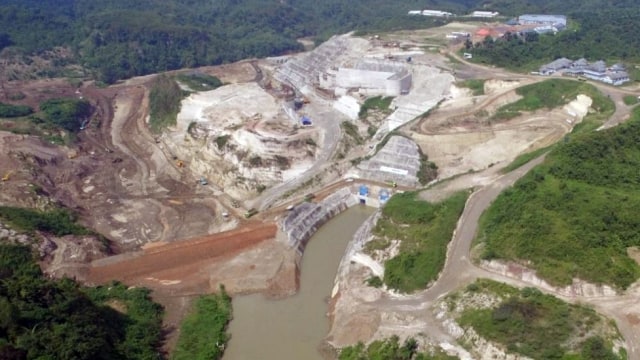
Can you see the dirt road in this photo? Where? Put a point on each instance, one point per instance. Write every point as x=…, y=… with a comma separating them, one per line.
x=180, y=253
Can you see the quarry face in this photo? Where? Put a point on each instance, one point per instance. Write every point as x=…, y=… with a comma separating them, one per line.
x=240, y=139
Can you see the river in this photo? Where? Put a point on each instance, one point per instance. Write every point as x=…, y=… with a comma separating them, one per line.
x=293, y=328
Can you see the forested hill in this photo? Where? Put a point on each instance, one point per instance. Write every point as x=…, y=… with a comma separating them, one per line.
x=122, y=38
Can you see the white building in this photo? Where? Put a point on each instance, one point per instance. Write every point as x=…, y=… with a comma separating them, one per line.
x=435, y=13
x=484, y=14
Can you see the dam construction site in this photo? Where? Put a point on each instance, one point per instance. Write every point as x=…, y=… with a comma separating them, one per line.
x=235, y=190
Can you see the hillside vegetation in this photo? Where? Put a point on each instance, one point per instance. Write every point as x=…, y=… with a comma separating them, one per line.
x=574, y=215
x=534, y=324
x=59, y=319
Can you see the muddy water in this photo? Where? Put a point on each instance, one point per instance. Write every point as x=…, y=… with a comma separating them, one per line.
x=293, y=328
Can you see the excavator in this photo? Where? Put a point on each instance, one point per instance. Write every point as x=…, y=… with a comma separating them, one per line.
x=7, y=176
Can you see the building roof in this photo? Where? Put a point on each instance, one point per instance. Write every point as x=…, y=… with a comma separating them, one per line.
x=558, y=64
x=599, y=65
x=580, y=62
x=618, y=75
x=542, y=18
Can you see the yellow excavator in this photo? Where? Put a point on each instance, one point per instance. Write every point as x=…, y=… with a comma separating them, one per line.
x=7, y=176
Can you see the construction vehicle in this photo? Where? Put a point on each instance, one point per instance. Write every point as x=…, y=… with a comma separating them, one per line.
x=309, y=197
x=7, y=176
x=180, y=163
x=392, y=184
x=250, y=213
x=203, y=181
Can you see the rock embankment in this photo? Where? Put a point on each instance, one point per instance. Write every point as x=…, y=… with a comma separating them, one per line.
x=306, y=218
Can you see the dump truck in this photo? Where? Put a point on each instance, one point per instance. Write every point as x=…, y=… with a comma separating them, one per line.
x=250, y=213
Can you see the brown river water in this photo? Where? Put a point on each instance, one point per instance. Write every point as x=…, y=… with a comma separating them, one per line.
x=293, y=328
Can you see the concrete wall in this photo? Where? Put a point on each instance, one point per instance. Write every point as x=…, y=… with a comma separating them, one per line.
x=373, y=82
x=306, y=218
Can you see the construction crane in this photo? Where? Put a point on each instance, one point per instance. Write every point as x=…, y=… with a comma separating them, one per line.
x=7, y=176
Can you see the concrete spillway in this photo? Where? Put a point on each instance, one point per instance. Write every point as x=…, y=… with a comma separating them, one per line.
x=305, y=219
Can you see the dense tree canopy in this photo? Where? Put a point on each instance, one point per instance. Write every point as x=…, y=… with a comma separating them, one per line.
x=46, y=319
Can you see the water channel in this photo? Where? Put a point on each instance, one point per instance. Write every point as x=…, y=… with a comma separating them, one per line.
x=293, y=328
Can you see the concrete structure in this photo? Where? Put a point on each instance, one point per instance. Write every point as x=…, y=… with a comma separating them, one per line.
x=434, y=13
x=375, y=77
x=398, y=161
x=539, y=19
x=484, y=14
x=306, y=218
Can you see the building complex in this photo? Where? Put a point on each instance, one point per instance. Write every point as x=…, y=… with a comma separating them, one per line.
x=614, y=75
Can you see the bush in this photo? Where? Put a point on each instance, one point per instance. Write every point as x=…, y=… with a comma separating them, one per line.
x=66, y=113
x=10, y=111
x=59, y=222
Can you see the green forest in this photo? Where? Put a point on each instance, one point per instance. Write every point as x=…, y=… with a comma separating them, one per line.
x=574, y=215
x=59, y=319
x=116, y=39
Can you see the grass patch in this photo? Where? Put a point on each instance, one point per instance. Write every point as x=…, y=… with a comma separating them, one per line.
x=540, y=326
x=630, y=100
x=576, y=214
x=203, y=332
x=424, y=230
x=380, y=103
x=475, y=85
x=199, y=81
x=164, y=103
x=554, y=93
x=525, y=158
x=352, y=131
